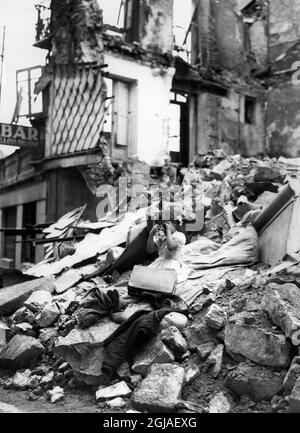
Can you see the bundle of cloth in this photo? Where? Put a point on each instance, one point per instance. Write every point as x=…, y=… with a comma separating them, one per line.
x=130, y=338
x=239, y=247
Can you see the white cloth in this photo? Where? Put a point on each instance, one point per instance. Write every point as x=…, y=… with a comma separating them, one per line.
x=172, y=259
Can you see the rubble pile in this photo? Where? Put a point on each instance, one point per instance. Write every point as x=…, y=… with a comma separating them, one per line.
x=227, y=342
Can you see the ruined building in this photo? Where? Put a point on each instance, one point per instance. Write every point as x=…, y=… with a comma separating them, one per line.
x=109, y=93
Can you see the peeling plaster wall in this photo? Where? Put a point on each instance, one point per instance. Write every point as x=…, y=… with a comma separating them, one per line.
x=284, y=26
x=259, y=41
x=221, y=124
x=157, y=28
x=283, y=113
x=149, y=127
x=218, y=39
x=76, y=29
x=283, y=120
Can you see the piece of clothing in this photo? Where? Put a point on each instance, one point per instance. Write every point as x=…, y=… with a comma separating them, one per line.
x=97, y=305
x=239, y=247
x=172, y=260
x=130, y=338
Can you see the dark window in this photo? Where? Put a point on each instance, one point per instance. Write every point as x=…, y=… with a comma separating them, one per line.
x=179, y=129
x=29, y=220
x=250, y=106
x=9, y=222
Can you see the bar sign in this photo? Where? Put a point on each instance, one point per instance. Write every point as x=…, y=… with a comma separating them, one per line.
x=17, y=135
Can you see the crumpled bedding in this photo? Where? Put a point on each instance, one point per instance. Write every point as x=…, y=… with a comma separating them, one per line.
x=241, y=249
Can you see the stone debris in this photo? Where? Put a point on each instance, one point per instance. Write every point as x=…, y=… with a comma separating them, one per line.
x=161, y=389
x=116, y=403
x=294, y=398
x=191, y=373
x=120, y=389
x=12, y=298
x=173, y=338
x=155, y=352
x=20, y=352
x=135, y=379
x=240, y=334
x=282, y=303
x=38, y=300
x=215, y=317
x=215, y=359
x=48, y=315
x=47, y=380
x=21, y=380
x=219, y=404
x=174, y=319
x=292, y=375
x=246, y=334
x=260, y=383
x=3, y=334
x=56, y=394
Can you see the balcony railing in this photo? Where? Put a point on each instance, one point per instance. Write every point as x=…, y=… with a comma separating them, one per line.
x=43, y=30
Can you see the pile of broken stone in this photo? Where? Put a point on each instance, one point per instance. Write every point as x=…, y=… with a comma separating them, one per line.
x=243, y=335
x=241, y=338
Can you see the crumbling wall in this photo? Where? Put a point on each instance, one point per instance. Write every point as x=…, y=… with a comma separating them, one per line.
x=76, y=31
x=218, y=35
x=149, y=106
x=221, y=124
x=258, y=34
x=284, y=19
x=283, y=120
x=157, y=29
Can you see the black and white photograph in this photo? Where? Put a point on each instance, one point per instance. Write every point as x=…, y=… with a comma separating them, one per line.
x=149, y=210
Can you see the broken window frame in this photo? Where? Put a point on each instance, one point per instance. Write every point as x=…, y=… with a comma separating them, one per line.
x=29, y=92
x=250, y=110
x=114, y=103
x=180, y=156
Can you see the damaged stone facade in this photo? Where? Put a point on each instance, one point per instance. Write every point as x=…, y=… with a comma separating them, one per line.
x=233, y=120
x=274, y=44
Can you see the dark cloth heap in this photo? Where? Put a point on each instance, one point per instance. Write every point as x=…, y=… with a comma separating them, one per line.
x=97, y=305
x=130, y=338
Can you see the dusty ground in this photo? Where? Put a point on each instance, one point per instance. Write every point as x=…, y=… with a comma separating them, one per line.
x=76, y=401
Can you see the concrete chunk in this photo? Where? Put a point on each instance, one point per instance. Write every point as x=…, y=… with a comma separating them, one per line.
x=81, y=348
x=219, y=404
x=282, y=303
x=256, y=341
x=3, y=334
x=155, y=352
x=191, y=373
x=215, y=360
x=48, y=315
x=260, y=383
x=173, y=338
x=13, y=297
x=215, y=317
x=116, y=403
x=294, y=399
x=161, y=389
x=120, y=389
x=292, y=375
x=38, y=300
x=20, y=352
